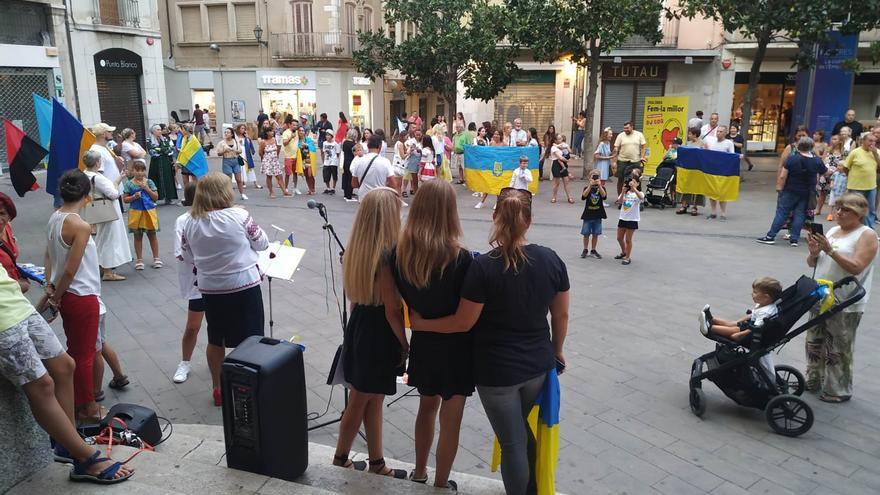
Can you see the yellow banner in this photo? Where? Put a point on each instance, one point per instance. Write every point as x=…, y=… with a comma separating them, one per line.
x=665, y=119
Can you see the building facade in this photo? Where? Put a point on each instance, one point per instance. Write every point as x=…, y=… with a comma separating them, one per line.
x=292, y=57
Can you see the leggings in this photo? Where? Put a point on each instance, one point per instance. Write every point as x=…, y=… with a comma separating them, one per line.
x=79, y=317
x=508, y=410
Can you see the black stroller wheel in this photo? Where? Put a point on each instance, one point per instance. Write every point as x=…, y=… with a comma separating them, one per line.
x=789, y=415
x=790, y=380
x=698, y=401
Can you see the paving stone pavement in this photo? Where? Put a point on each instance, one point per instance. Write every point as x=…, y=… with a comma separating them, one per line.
x=625, y=422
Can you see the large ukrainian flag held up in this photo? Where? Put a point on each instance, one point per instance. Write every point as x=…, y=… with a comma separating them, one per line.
x=714, y=174
x=69, y=142
x=192, y=156
x=487, y=169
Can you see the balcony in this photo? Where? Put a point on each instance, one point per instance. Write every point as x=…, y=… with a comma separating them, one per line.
x=334, y=46
x=669, y=27
x=123, y=13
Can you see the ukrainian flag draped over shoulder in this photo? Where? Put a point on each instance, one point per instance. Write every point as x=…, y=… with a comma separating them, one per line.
x=193, y=157
x=714, y=174
x=544, y=423
x=488, y=169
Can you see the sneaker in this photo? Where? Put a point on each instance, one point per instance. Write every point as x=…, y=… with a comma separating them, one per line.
x=404, y=203
x=182, y=372
x=244, y=197
x=793, y=243
x=179, y=186
x=478, y=205
x=332, y=192
x=704, y=321
x=766, y=240
x=404, y=194
x=605, y=205
x=351, y=200
x=596, y=254
x=787, y=236
x=584, y=253
x=326, y=191
x=297, y=191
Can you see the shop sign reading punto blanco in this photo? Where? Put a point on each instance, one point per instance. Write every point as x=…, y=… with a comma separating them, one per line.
x=281, y=79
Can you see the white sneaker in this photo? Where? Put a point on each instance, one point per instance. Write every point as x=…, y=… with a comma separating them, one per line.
x=297, y=191
x=404, y=203
x=179, y=187
x=478, y=205
x=244, y=197
x=352, y=200
x=182, y=372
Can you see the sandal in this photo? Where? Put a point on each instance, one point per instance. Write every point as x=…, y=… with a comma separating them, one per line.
x=383, y=470
x=105, y=477
x=681, y=211
x=834, y=399
x=570, y=200
x=157, y=263
x=553, y=200
x=100, y=396
x=344, y=462
x=139, y=265
x=412, y=477
x=625, y=262
x=118, y=382
x=620, y=256
x=695, y=213
x=85, y=419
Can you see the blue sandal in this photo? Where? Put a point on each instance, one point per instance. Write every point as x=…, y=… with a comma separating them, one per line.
x=105, y=477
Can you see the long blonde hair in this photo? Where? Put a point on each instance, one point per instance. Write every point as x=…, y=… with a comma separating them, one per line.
x=512, y=218
x=429, y=241
x=213, y=192
x=373, y=235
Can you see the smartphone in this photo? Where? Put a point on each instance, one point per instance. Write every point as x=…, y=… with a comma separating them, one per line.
x=817, y=228
x=560, y=367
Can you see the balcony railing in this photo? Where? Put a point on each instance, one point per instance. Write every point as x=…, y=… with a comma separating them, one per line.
x=314, y=45
x=119, y=13
x=669, y=27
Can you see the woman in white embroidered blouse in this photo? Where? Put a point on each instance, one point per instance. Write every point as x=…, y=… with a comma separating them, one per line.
x=222, y=241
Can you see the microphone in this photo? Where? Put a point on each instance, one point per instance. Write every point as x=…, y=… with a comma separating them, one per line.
x=312, y=204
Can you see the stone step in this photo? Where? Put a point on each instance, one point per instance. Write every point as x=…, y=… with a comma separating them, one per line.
x=192, y=461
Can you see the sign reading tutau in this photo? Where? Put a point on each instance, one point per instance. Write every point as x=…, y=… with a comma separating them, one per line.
x=633, y=70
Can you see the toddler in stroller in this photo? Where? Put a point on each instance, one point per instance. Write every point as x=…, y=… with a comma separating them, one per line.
x=739, y=364
x=765, y=292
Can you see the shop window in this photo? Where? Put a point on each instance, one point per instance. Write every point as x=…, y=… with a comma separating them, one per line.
x=245, y=20
x=218, y=22
x=191, y=22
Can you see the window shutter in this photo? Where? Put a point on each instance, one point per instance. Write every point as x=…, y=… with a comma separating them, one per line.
x=645, y=89
x=191, y=19
x=617, y=104
x=532, y=102
x=218, y=22
x=245, y=21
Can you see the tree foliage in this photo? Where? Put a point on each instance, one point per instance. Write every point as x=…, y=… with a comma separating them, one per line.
x=455, y=40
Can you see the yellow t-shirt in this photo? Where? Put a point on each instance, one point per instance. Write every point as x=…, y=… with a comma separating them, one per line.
x=862, y=168
x=291, y=149
x=629, y=146
x=14, y=307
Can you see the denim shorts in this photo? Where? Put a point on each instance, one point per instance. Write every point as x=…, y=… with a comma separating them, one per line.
x=592, y=227
x=231, y=166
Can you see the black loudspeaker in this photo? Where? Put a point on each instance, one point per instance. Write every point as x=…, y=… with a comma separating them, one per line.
x=139, y=419
x=264, y=408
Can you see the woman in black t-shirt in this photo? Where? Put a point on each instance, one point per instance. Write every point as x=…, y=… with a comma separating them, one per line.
x=504, y=303
x=347, y=158
x=429, y=266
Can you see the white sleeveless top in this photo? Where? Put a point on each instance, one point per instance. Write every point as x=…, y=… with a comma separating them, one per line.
x=87, y=280
x=827, y=268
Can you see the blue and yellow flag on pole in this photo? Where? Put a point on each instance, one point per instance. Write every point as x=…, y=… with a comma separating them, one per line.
x=43, y=110
x=68, y=143
x=544, y=423
x=193, y=157
x=488, y=169
x=714, y=174
x=288, y=242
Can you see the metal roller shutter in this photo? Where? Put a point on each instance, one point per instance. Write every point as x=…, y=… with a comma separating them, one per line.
x=617, y=104
x=533, y=103
x=121, y=103
x=645, y=89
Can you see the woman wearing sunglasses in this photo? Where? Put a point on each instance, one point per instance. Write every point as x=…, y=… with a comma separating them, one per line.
x=505, y=298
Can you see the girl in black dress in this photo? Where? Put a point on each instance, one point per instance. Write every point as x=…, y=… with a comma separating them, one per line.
x=429, y=266
x=374, y=346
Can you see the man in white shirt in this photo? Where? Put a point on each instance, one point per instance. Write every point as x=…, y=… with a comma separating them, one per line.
x=108, y=166
x=718, y=141
x=518, y=135
x=696, y=122
x=710, y=128
x=371, y=170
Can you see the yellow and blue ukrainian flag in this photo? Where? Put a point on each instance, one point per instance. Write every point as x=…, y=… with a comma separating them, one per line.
x=487, y=169
x=714, y=174
x=68, y=143
x=193, y=157
x=544, y=423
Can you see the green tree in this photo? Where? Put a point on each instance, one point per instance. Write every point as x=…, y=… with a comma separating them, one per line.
x=455, y=41
x=582, y=30
x=765, y=21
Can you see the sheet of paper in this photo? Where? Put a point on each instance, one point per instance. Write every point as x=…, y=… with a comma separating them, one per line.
x=279, y=261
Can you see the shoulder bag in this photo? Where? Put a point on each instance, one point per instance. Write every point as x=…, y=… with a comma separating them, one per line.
x=99, y=209
x=366, y=171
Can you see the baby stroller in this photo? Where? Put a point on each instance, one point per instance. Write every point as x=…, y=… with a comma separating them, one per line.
x=736, y=368
x=659, y=191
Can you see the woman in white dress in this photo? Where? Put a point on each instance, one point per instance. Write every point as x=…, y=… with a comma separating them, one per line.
x=111, y=237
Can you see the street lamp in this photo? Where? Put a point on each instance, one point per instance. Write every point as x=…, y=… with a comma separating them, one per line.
x=258, y=34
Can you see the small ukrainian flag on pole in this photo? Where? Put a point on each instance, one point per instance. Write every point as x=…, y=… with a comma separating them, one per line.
x=289, y=241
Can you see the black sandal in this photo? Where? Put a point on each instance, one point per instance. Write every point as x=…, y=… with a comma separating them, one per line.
x=620, y=256
x=412, y=477
x=344, y=462
x=399, y=474
x=119, y=382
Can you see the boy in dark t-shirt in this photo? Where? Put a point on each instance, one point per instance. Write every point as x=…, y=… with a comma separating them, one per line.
x=594, y=212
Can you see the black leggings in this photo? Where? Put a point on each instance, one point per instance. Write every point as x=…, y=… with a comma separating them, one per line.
x=346, y=181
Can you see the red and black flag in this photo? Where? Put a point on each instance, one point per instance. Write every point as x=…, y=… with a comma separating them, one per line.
x=23, y=155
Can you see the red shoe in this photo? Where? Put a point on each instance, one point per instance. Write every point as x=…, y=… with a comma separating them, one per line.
x=218, y=399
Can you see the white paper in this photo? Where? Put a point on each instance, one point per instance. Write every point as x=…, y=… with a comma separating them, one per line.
x=283, y=264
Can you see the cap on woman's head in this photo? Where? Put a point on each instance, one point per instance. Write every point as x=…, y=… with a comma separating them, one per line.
x=8, y=206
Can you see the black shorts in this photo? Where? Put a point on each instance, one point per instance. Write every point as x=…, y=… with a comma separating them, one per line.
x=330, y=173
x=628, y=224
x=197, y=305
x=624, y=169
x=234, y=317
